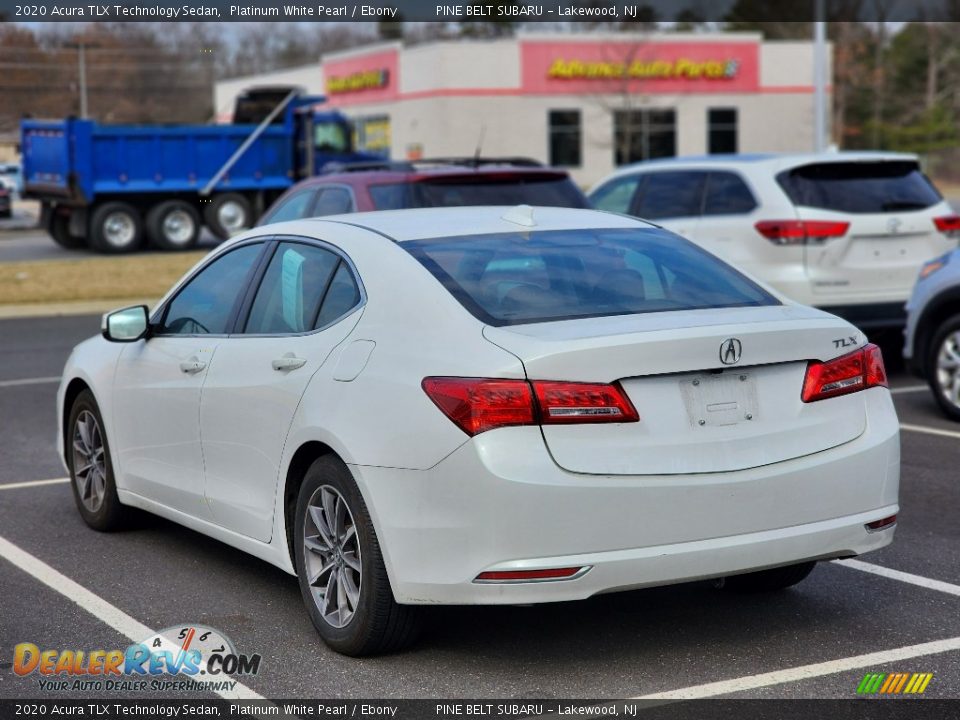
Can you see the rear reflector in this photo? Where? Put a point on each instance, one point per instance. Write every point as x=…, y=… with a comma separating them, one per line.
x=882, y=524
x=859, y=370
x=800, y=232
x=567, y=573
x=476, y=405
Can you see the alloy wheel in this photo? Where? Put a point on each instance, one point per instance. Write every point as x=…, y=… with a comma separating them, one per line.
x=331, y=555
x=948, y=369
x=89, y=461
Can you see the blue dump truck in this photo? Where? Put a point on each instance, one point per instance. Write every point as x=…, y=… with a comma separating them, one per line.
x=115, y=188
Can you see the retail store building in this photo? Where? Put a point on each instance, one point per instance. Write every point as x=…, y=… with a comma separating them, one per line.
x=587, y=102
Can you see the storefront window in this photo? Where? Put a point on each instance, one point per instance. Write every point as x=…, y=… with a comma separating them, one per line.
x=565, y=138
x=722, y=133
x=643, y=135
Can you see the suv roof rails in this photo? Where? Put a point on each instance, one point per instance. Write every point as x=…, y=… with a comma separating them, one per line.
x=473, y=161
x=365, y=165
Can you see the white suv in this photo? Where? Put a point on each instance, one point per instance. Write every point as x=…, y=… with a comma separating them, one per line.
x=846, y=232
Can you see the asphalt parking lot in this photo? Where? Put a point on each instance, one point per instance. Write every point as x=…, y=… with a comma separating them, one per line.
x=898, y=613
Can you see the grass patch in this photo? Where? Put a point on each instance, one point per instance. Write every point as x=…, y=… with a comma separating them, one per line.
x=98, y=278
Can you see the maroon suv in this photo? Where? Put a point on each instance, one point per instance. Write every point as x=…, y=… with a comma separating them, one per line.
x=441, y=182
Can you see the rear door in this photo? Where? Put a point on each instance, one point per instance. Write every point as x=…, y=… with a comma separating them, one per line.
x=303, y=308
x=890, y=207
x=673, y=199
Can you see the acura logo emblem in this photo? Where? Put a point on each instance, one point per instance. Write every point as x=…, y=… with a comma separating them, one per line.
x=730, y=351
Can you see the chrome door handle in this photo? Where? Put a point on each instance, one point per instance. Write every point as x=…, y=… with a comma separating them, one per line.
x=193, y=365
x=288, y=362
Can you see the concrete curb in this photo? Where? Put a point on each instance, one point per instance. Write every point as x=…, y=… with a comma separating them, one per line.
x=80, y=307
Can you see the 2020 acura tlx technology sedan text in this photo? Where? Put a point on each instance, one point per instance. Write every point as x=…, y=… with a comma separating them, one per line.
x=484, y=405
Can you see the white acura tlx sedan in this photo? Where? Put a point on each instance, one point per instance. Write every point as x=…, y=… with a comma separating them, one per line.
x=484, y=406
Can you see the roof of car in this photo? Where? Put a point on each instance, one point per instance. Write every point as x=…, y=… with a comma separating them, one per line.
x=400, y=171
x=775, y=161
x=425, y=223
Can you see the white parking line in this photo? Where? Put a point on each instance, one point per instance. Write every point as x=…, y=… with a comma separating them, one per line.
x=29, y=381
x=908, y=389
x=929, y=430
x=33, y=483
x=806, y=672
x=906, y=577
x=97, y=606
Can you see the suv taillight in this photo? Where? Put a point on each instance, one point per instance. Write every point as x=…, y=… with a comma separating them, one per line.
x=949, y=225
x=476, y=405
x=800, y=232
x=850, y=373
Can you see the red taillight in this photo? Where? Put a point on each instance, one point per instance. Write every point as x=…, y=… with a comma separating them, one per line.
x=799, y=232
x=857, y=371
x=569, y=402
x=480, y=404
x=948, y=224
x=527, y=575
x=882, y=524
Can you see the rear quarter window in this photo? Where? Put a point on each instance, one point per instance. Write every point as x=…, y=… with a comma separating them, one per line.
x=860, y=187
x=514, y=278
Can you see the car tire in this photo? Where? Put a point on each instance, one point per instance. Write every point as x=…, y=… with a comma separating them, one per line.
x=91, y=470
x=228, y=214
x=116, y=227
x=173, y=225
x=768, y=580
x=59, y=230
x=946, y=340
x=367, y=620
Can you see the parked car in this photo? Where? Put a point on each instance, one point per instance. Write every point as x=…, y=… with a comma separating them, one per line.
x=845, y=232
x=441, y=182
x=932, y=335
x=11, y=175
x=6, y=202
x=484, y=406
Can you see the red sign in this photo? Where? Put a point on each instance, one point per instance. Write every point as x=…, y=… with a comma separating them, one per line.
x=610, y=67
x=365, y=78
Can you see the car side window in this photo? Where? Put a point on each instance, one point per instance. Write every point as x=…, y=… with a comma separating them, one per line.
x=205, y=304
x=333, y=201
x=671, y=194
x=342, y=296
x=295, y=207
x=293, y=287
x=616, y=195
x=727, y=194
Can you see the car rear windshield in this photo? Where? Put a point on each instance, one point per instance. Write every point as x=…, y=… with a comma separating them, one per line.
x=525, y=277
x=860, y=187
x=548, y=191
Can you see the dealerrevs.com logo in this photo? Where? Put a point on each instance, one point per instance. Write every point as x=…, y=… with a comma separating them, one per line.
x=897, y=683
x=201, y=656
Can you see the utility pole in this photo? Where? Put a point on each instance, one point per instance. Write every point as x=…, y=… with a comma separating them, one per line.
x=81, y=48
x=819, y=77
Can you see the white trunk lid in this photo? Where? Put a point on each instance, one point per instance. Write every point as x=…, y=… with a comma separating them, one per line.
x=697, y=414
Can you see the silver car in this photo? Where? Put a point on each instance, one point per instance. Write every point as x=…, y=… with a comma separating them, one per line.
x=932, y=335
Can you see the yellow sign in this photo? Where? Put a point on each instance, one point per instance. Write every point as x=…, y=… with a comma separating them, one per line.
x=682, y=68
x=355, y=82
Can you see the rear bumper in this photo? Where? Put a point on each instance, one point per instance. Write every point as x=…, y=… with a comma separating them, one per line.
x=500, y=503
x=871, y=316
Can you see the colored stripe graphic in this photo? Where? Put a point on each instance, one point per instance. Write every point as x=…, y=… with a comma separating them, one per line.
x=894, y=683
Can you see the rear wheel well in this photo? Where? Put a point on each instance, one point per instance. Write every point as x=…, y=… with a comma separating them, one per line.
x=75, y=387
x=930, y=321
x=302, y=459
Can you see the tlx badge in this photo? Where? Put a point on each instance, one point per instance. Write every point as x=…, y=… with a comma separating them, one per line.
x=730, y=351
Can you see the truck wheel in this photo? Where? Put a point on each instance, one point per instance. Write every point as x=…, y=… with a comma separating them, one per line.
x=228, y=215
x=173, y=225
x=59, y=230
x=116, y=227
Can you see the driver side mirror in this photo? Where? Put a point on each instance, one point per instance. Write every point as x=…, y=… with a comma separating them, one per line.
x=126, y=325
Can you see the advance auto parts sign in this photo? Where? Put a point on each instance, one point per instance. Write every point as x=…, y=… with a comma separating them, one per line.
x=648, y=67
